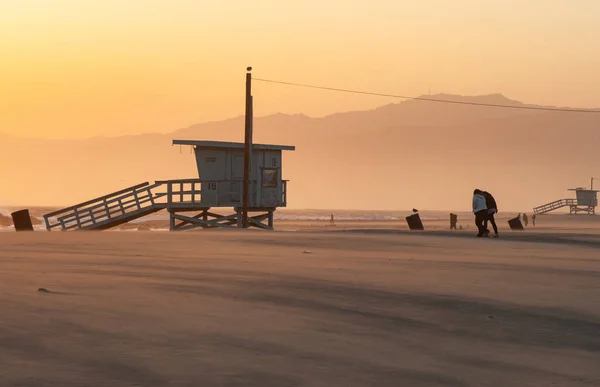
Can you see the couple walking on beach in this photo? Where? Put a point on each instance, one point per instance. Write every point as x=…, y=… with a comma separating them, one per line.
x=484, y=208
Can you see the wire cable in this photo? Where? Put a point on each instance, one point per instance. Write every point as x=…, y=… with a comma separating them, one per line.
x=523, y=107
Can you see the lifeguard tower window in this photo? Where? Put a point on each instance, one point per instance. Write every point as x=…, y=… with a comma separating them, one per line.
x=269, y=177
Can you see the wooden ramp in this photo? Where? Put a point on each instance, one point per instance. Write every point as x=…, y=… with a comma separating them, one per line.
x=106, y=211
x=555, y=205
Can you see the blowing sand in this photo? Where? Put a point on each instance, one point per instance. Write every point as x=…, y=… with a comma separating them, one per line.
x=251, y=308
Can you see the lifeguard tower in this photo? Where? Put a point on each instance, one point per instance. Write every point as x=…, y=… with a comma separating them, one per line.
x=586, y=201
x=219, y=186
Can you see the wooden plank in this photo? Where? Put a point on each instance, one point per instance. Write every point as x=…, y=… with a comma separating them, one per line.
x=186, y=222
x=256, y=221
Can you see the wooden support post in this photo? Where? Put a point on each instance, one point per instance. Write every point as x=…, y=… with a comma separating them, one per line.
x=151, y=197
x=137, y=200
x=247, y=147
x=270, y=219
x=171, y=221
x=106, y=208
x=77, y=218
x=169, y=194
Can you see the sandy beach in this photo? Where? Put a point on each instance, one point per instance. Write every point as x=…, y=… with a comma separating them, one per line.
x=369, y=307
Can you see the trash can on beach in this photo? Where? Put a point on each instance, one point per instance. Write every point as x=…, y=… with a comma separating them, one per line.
x=515, y=224
x=22, y=220
x=414, y=222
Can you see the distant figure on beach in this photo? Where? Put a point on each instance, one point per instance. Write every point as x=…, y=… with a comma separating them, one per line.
x=492, y=208
x=525, y=220
x=480, y=211
x=453, y=221
x=332, y=221
x=533, y=219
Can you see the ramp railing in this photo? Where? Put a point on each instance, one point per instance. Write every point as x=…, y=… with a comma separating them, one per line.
x=555, y=205
x=103, y=209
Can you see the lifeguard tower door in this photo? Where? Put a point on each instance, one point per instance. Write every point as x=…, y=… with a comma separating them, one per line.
x=212, y=171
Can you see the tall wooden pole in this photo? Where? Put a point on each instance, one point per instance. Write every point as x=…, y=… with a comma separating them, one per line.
x=247, y=148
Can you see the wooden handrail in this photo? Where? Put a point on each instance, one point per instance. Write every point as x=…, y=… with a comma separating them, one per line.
x=104, y=202
x=97, y=199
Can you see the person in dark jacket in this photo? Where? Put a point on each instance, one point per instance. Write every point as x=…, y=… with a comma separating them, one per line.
x=492, y=208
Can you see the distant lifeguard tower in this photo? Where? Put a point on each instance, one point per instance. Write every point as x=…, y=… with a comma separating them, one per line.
x=586, y=201
x=219, y=185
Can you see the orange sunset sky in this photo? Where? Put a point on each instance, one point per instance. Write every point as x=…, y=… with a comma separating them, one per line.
x=82, y=68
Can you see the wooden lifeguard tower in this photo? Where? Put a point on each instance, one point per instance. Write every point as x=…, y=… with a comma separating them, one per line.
x=219, y=185
x=586, y=201
x=221, y=172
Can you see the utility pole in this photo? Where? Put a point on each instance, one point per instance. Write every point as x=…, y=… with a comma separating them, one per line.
x=247, y=147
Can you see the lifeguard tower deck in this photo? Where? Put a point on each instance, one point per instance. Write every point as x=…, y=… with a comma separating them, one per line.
x=586, y=201
x=192, y=202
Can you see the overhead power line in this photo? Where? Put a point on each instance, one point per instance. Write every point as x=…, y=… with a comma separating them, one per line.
x=523, y=107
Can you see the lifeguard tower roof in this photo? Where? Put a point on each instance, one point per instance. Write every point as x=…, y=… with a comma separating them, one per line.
x=231, y=145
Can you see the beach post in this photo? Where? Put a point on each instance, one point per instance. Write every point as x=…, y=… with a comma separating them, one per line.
x=414, y=222
x=22, y=220
x=515, y=224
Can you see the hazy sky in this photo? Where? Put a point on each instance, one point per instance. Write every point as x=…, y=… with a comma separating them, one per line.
x=81, y=68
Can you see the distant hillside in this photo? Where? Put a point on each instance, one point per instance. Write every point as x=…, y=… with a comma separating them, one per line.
x=413, y=153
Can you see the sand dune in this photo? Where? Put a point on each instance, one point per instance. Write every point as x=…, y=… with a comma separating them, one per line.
x=250, y=308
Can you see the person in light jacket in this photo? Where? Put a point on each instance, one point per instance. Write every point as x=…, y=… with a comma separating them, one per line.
x=480, y=211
